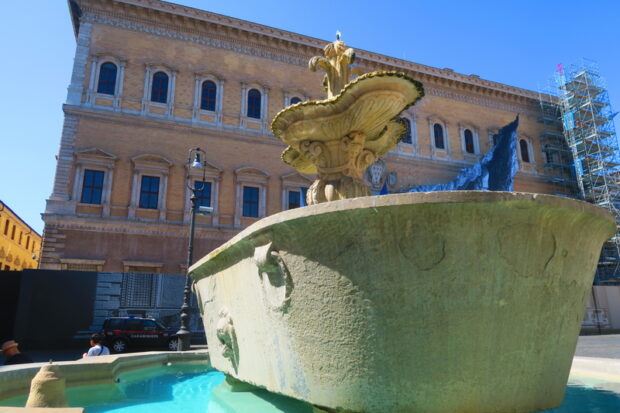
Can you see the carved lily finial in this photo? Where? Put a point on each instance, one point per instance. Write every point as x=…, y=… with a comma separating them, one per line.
x=335, y=64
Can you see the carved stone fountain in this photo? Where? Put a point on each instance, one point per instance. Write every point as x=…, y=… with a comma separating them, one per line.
x=432, y=302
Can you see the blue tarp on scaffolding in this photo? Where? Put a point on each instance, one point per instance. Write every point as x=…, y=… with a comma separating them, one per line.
x=494, y=172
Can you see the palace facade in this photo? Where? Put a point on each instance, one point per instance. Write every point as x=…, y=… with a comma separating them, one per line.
x=153, y=79
x=20, y=245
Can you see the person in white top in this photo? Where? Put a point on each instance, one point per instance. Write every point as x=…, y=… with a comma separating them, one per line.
x=96, y=347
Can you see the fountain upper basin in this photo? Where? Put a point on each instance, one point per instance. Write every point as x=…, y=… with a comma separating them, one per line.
x=437, y=302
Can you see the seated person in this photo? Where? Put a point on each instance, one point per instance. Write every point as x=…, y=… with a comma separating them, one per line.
x=96, y=347
x=12, y=354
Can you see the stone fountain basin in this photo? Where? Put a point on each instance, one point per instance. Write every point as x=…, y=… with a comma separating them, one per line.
x=432, y=302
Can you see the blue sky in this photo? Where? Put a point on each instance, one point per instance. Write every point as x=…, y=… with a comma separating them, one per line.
x=514, y=42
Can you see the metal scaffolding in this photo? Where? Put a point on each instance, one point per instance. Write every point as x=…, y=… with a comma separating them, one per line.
x=559, y=164
x=589, y=132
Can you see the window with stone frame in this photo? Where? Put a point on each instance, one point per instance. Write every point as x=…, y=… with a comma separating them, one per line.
x=468, y=138
x=208, y=195
x=208, y=96
x=438, y=136
x=203, y=193
x=407, y=138
x=251, y=199
x=251, y=195
x=92, y=187
x=254, y=104
x=524, y=150
x=159, y=88
x=149, y=192
x=297, y=198
x=294, y=190
x=107, y=79
x=94, y=172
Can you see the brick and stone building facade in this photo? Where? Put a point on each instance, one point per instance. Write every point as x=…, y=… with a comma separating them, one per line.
x=152, y=79
x=20, y=245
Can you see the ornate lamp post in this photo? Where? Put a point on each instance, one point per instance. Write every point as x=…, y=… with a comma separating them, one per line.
x=193, y=162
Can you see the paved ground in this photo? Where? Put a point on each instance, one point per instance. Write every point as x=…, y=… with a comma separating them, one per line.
x=607, y=346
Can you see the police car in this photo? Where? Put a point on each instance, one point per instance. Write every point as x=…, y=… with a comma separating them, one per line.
x=123, y=332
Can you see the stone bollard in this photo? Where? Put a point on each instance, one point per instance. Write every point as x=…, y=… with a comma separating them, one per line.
x=47, y=388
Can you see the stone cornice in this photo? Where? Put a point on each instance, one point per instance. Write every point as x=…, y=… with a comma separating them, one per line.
x=131, y=119
x=137, y=227
x=186, y=23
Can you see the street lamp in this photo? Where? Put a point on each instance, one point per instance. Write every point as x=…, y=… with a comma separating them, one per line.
x=193, y=162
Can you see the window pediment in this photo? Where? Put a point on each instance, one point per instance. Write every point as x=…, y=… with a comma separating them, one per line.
x=106, y=56
x=468, y=125
x=151, y=160
x=95, y=153
x=293, y=91
x=437, y=119
x=208, y=74
x=253, y=83
x=251, y=172
x=155, y=66
x=296, y=177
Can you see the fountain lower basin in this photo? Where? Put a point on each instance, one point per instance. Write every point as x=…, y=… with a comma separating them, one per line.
x=437, y=302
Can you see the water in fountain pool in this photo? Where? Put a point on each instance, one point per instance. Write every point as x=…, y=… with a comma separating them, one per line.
x=186, y=389
x=194, y=392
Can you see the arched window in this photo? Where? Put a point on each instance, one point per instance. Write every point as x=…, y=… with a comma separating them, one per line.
x=469, y=141
x=107, y=79
x=525, y=153
x=159, y=88
x=207, y=98
x=438, y=132
x=254, y=103
x=295, y=100
x=407, y=136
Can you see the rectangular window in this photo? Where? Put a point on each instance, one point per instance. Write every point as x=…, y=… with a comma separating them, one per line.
x=149, y=192
x=203, y=193
x=297, y=198
x=92, y=187
x=13, y=233
x=6, y=227
x=138, y=290
x=250, y=201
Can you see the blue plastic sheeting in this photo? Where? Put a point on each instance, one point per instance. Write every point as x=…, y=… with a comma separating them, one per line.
x=494, y=172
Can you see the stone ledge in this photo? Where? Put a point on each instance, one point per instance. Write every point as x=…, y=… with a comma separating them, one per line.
x=15, y=380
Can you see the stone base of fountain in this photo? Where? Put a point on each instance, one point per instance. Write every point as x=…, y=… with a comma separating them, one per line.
x=433, y=302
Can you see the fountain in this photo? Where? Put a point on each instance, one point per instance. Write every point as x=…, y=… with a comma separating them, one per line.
x=463, y=301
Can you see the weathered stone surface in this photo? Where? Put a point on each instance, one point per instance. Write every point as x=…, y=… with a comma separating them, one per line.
x=47, y=388
x=433, y=302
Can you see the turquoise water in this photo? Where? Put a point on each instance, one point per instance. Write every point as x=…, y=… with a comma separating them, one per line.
x=192, y=392
x=188, y=389
x=172, y=392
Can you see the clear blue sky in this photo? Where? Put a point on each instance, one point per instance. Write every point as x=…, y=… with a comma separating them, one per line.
x=514, y=42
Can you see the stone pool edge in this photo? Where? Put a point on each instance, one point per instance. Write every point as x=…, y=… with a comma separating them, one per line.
x=15, y=380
